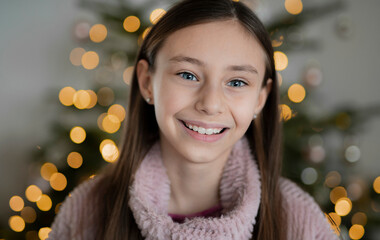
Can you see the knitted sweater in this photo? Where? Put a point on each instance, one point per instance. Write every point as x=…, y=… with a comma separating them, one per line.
x=240, y=193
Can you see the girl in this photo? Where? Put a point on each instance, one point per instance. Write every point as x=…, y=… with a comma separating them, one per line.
x=201, y=156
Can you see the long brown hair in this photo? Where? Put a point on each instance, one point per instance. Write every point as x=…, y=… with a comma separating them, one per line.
x=113, y=218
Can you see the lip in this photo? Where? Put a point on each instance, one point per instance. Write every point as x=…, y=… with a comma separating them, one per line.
x=204, y=137
x=205, y=125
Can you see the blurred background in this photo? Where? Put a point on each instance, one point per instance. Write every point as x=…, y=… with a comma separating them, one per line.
x=65, y=68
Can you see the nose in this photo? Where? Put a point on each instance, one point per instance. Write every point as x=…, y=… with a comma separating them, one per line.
x=211, y=100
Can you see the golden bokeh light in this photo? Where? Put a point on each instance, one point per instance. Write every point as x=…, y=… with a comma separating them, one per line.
x=76, y=56
x=43, y=233
x=336, y=218
x=100, y=120
x=44, y=204
x=110, y=152
x=105, y=96
x=74, y=160
x=343, y=206
x=293, y=7
x=33, y=193
x=359, y=218
x=105, y=142
x=279, y=79
x=111, y=123
x=58, y=181
x=337, y=193
x=278, y=42
x=146, y=31
x=29, y=214
x=281, y=60
x=286, y=112
x=81, y=99
x=98, y=33
x=127, y=75
x=131, y=24
x=376, y=185
x=16, y=203
x=118, y=111
x=47, y=170
x=57, y=207
x=356, y=231
x=296, y=93
x=90, y=60
x=77, y=134
x=93, y=99
x=333, y=179
x=156, y=15
x=92, y=176
x=66, y=96
x=16, y=223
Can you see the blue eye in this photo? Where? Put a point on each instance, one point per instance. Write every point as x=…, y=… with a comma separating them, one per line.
x=187, y=76
x=236, y=83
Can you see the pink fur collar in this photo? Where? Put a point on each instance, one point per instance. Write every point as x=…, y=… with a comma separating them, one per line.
x=240, y=197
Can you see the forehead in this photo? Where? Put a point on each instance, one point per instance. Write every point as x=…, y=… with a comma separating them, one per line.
x=216, y=43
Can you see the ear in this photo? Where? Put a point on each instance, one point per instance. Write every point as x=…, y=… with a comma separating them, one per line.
x=263, y=95
x=144, y=79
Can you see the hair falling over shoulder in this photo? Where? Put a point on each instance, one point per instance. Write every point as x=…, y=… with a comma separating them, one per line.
x=113, y=218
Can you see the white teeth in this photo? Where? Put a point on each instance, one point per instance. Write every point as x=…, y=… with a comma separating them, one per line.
x=201, y=130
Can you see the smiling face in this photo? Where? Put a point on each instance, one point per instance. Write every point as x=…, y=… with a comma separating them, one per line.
x=206, y=87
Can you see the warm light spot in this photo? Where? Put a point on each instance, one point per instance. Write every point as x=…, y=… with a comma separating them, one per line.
x=66, y=96
x=146, y=31
x=100, y=120
x=376, y=185
x=156, y=15
x=127, y=75
x=343, y=206
x=76, y=56
x=81, y=99
x=98, y=33
x=58, y=181
x=337, y=193
x=281, y=60
x=118, y=111
x=356, y=231
x=44, y=233
x=47, y=170
x=29, y=214
x=131, y=24
x=33, y=193
x=296, y=93
x=44, y=204
x=279, y=79
x=278, y=42
x=105, y=142
x=93, y=99
x=333, y=179
x=110, y=152
x=293, y=7
x=92, y=176
x=77, y=135
x=111, y=124
x=74, y=160
x=57, y=207
x=16, y=223
x=336, y=218
x=105, y=96
x=359, y=218
x=16, y=203
x=90, y=60
x=286, y=112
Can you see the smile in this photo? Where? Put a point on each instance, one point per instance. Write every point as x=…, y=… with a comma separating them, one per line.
x=202, y=130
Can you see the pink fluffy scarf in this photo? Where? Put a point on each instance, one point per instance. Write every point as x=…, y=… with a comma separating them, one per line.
x=239, y=192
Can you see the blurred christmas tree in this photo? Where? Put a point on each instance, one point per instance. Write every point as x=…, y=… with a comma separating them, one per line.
x=84, y=136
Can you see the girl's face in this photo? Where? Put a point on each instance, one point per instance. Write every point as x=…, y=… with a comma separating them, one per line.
x=206, y=88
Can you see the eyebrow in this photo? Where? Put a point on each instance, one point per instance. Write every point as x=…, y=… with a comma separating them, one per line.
x=243, y=68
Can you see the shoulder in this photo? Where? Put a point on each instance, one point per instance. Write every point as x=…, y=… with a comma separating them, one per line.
x=305, y=218
x=73, y=207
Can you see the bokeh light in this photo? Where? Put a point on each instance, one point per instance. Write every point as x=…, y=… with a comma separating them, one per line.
x=90, y=60
x=279, y=79
x=66, y=96
x=359, y=218
x=109, y=150
x=286, y=112
x=33, y=193
x=127, y=75
x=337, y=193
x=131, y=24
x=76, y=56
x=57, y=207
x=293, y=7
x=31, y=235
x=58, y=181
x=309, y=176
x=118, y=111
x=75, y=160
x=105, y=96
x=296, y=93
x=29, y=214
x=77, y=134
x=352, y=154
x=100, y=120
x=356, y=231
x=98, y=33
x=16, y=203
x=44, y=204
x=146, y=31
x=43, y=233
x=343, y=206
x=16, y=223
x=156, y=15
x=47, y=170
x=336, y=218
x=93, y=99
x=111, y=123
x=281, y=60
x=333, y=179
x=376, y=185
x=81, y=99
